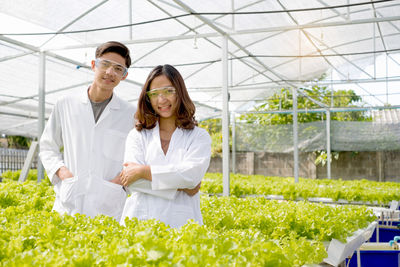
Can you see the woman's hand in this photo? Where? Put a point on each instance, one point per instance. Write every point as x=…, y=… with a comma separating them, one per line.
x=133, y=172
x=191, y=192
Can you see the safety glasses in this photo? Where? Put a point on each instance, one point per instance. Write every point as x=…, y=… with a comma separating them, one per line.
x=166, y=92
x=105, y=64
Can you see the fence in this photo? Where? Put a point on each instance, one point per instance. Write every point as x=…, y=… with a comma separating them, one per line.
x=13, y=159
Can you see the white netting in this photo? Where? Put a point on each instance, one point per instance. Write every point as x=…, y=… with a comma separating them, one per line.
x=345, y=136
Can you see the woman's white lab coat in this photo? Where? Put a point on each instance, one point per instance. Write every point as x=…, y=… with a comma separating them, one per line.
x=184, y=165
x=93, y=152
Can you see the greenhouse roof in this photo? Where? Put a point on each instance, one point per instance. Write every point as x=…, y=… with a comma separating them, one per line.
x=271, y=44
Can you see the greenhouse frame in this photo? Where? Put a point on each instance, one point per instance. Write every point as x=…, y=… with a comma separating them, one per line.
x=255, y=66
x=232, y=54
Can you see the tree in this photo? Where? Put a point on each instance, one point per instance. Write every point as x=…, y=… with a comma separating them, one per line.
x=256, y=135
x=214, y=128
x=283, y=100
x=15, y=141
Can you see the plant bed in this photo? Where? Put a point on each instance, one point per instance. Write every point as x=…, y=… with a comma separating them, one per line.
x=357, y=192
x=236, y=231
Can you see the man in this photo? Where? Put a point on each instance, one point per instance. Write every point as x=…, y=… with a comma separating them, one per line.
x=91, y=127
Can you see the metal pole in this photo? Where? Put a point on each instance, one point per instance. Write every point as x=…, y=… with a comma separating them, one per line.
x=225, y=117
x=233, y=17
x=130, y=20
x=233, y=113
x=28, y=161
x=387, y=84
x=328, y=143
x=233, y=142
x=358, y=258
x=295, y=138
x=295, y=124
x=41, y=117
x=373, y=38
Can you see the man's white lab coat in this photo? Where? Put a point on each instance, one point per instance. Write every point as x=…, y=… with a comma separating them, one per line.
x=93, y=152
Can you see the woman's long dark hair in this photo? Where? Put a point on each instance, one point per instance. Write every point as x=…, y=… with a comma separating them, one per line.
x=146, y=117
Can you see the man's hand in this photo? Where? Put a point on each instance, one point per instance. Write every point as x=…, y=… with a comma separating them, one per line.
x=63, y=173
x=191, y=192
x=117, y=179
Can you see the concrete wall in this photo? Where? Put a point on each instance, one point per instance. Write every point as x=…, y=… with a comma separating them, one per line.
x=268, y=164
x=391, y=167
x=376, y=166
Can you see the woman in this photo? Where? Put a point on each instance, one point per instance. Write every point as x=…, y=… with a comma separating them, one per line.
x=166, y=151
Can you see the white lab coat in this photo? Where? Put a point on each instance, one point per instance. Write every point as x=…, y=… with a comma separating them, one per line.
x=93, y=152
x=184, y=165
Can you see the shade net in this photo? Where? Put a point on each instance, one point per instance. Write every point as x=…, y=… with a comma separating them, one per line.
x=312, y=136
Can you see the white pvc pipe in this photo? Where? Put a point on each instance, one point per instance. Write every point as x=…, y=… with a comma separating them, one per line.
x=295, y=138
x=328, y=143
x=41, y=108
x=130, y=20
x=225, y=117
x=233, y=142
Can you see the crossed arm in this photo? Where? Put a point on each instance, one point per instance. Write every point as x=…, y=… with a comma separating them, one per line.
x=134, y=172
x=164, y=176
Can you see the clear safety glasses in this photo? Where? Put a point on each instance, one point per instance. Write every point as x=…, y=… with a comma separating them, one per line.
x=166, y=91
x=104, y=64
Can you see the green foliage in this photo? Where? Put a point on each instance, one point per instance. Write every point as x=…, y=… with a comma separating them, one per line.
x=253, y=130
x=236, y=232
x=284, y=101
x=211, y=125
x=285, y=220
x=18, y=141
x=32, y=175
x=214, y=128
x=216, y=144
x=322, y=157
x=354, y=190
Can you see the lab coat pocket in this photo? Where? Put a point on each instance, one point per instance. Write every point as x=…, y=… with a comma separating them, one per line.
x=114, y=147
x=112, y=199
x=68, y=193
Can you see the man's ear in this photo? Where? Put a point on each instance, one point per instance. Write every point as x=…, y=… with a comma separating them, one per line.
x=93, y=65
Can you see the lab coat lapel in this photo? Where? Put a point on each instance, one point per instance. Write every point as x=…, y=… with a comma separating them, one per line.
x=176, y=138
x=114, y=104
x=87, y=114
x=156, y=138
x=158, y=153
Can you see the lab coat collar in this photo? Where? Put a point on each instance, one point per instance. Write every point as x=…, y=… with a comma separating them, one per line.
x=115, y=102
x=156, y=134
x=84, y=97
x=176, y=137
